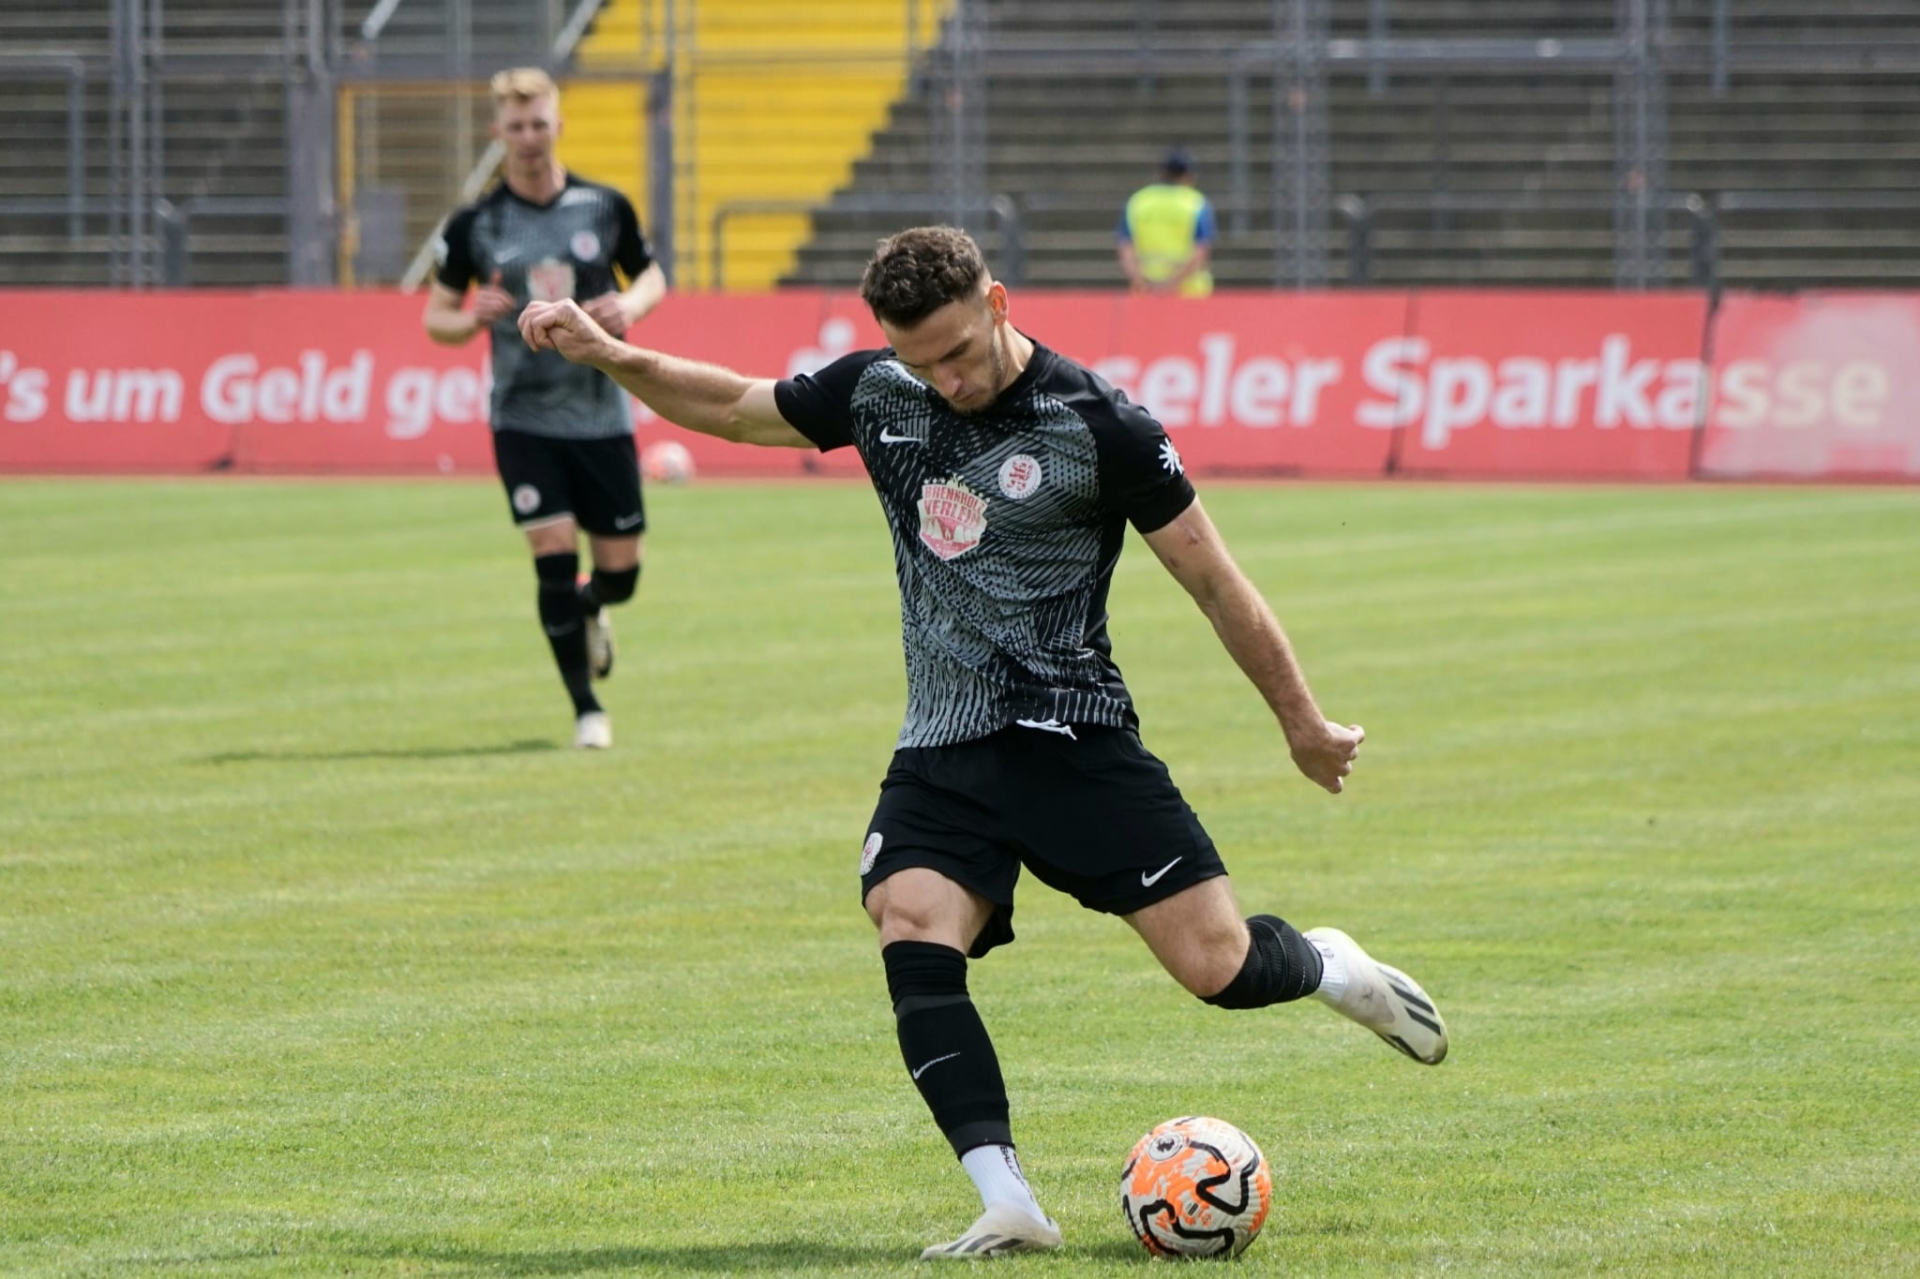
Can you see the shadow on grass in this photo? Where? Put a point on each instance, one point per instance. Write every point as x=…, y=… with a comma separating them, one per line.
x=713, y=1259
x=526, y=747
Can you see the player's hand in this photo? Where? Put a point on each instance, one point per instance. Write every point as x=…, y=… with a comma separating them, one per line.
x=608, y=312
x=1328, y=756
x=566, y=328
x=490, y=302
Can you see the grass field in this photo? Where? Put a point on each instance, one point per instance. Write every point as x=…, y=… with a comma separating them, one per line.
x=319, y=954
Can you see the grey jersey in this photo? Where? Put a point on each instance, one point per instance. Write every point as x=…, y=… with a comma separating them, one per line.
x=547, y=252
x=1007, y=525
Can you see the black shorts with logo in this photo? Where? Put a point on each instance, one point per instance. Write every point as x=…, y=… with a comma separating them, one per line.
x=1095, y=815
x=596, y=482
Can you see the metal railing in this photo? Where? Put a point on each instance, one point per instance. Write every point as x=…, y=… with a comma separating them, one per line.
x=1010, y=257
x=73, y=70
x=1359, y=213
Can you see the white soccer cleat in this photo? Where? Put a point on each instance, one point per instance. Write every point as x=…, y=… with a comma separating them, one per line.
x=1384, y=1000
x=593, y=731
x=1001, y=1229
x=600, y=642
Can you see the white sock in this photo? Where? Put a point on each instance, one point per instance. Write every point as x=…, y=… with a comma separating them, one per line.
x=1333, y=972
x=996, y=1175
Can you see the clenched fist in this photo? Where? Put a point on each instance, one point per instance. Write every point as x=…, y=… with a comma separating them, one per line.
x=566, y=328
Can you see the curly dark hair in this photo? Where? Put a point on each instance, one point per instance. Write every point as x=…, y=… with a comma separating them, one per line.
x=918, y=271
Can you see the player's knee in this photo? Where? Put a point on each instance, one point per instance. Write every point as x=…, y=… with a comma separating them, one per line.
x=613, y=586
x=1209, y=964
x=905, y=920
x=558, y=574
x=905, y=909
x=1279, y=965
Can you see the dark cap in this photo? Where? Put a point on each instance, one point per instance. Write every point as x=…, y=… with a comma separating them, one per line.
x=1178, y=161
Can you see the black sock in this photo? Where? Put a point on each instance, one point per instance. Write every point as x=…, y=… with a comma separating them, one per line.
x=565, y=625
x=608, y=586
x=1281, y=966
x=945, y=1044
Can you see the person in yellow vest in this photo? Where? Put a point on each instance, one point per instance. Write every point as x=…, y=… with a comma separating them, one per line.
x=1166, y=234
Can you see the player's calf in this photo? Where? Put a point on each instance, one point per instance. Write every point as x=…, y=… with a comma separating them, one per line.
x=1281, y=966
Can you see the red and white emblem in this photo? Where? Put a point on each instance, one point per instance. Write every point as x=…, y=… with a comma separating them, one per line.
x=952, y=517
x=550, y=281
x=1020, y=475
x=585, y=245
x=869, y=851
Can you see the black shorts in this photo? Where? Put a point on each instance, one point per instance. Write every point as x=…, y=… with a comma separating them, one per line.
x=1095, y=815
x=596, y=483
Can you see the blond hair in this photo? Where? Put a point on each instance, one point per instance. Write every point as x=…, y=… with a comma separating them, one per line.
x=522, y=84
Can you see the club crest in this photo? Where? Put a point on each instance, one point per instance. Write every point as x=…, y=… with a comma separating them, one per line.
x=550, y=281
x=1020, y=475
x=953, y=517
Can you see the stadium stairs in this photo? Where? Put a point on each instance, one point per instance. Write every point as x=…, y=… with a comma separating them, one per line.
x=776, y=102
x=1068, y=148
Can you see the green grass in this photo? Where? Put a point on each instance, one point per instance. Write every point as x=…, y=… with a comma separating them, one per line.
x=318, y=954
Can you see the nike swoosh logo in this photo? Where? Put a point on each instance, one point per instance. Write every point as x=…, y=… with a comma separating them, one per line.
x=625, y=522
x=886, y=438
x=931, y=1064
x=1148, y=881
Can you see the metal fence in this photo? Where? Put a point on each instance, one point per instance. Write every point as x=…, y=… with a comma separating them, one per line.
x=377, y=115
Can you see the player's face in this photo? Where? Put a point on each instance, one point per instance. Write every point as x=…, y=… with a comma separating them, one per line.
x=528, y=129
x=959, y=350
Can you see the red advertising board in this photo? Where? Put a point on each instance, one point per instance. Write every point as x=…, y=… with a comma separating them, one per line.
x=1444, y=383
x=103, y=381
x=1562, y=384
x=1815, y=385
x=1249, y=383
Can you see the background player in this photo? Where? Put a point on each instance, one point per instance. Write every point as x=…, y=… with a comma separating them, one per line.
x=562, y=434
x=1008, y=474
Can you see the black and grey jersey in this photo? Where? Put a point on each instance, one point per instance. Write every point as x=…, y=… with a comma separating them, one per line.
x=546, y=252
x=1007, y=525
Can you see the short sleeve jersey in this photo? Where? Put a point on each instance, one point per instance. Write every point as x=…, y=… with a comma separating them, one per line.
x=1007, y=525
x=546, y=252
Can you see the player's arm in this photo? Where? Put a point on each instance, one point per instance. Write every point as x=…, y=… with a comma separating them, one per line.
x=447, y=319
x=701, y=397
x=640, y=297
x=1193, y=552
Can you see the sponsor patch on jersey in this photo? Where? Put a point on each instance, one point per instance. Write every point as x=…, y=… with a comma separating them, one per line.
x=526, y=499
x=550, y=281
x=585, y=246
x=1020, y=475
x=869, y=851
x=952, y=517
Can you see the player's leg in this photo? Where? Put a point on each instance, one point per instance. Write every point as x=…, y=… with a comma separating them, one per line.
x=1108, y=825
x=604, y=476
x=616, y=573
x=1191, y=935
x=556, y=566
x=938, y=891
x=535, y=473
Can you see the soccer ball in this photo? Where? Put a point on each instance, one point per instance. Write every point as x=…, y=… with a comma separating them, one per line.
x=666, y=462
x=1196, y=1187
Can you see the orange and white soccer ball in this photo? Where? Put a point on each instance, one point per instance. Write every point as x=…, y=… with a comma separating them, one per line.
x=1196, y=1187
x=666, y=462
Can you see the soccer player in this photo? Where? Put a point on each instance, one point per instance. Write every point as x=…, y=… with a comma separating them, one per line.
x=1008, y=474
x=562, y=435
